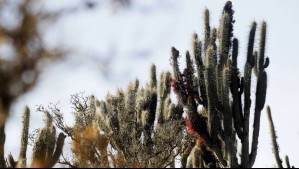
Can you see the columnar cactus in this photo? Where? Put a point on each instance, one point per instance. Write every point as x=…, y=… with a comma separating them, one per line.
x=143, y=127
x=24, y=140
x=129, y=119
x=131, y=128
x=218, y=86
x=89, y=146
x=22, y=162
x=47, y=149
x=275, y=144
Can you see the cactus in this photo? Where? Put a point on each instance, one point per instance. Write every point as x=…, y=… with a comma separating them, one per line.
x=275, y=143
x=24, y=140
x=222, y=90
x=135, y=112
x=273, y=139
x=47, y=149
x=142, y=126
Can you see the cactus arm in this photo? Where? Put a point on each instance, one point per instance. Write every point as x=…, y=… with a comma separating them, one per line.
x=195, y=157
x=247, y=94
x=262, y=46
x=261, y=91
x=207, y=29
x=235, y=85
x=58, y=151
x=197, y=54
x=210, y=75
x=213, y=114
x=178, y=77
x=24, y=139
x=223, y=77
x=260, y=101
x=228, y=118
x=190, y=80
x=164, y=91
x=153, y=82
x=149, y=117
x=247, y=102
x=275, y=146
x=39, y=153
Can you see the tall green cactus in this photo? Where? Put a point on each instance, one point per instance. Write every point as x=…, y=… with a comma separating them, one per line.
x=222, y=90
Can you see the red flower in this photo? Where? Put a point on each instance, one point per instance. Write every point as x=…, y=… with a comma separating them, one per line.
x=173, y=83
x=189, y=127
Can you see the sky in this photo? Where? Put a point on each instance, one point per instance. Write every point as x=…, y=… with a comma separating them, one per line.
x=129, y=40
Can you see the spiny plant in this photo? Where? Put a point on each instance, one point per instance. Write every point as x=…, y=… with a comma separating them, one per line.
x=47, y=148
x=141, y=127
x=275, y=146
x=215, y=84
x=20, y=68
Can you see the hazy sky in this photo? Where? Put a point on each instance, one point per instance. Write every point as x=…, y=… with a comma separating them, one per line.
x=131, y=39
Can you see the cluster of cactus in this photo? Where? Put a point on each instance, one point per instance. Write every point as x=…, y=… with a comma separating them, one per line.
x=47, y=148
x=224, y=95
x=137, y=128
x=143, y=127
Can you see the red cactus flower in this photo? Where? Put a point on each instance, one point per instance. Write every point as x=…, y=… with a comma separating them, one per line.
x=189, y=127
x=173, y=84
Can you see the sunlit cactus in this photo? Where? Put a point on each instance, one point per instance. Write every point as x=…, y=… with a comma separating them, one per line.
x=222, y=90
x=208, y=126
x=22, y=162
x=140, y=127
x=24, y=140
x=47, y=149
x=133, y=132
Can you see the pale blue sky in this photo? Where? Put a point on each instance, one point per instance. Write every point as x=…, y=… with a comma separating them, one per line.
x=144, y=33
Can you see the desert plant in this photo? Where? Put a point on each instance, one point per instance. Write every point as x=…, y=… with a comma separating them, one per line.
x=47, y=148
x=131, y=129
x=143, y=127
x=217, y=86
x=275, y=146
x=19, y=73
